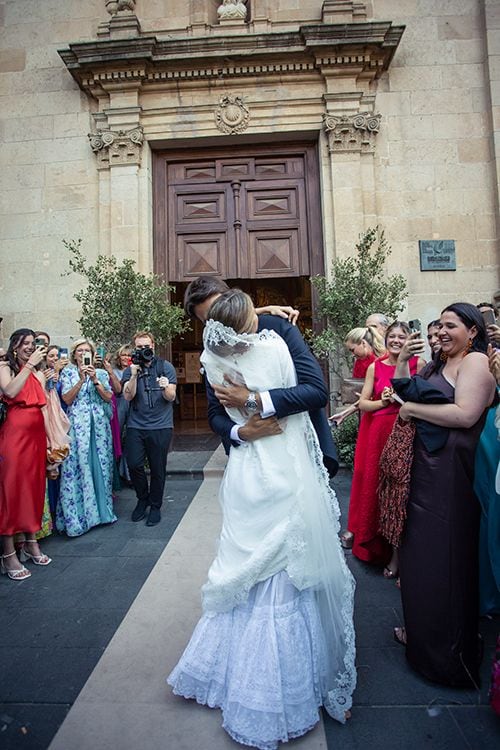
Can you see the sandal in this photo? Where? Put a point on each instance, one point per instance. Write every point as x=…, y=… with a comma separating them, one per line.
x=37, y=559
x=388, y=573
x=347, y=539
x=400, y=636
x=17, y=574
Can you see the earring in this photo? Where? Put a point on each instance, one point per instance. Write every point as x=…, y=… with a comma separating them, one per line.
x=468, y=347
x=443, y=356
x=15, y=354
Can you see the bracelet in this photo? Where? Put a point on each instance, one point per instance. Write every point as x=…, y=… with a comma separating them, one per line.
x=30, y=367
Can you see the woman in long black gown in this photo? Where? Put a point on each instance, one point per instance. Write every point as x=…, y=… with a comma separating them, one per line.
x=439, y=552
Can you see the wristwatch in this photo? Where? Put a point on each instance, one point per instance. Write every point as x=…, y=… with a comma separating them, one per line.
x=251, y=402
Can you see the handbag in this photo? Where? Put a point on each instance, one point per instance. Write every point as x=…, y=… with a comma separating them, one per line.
x=3, y=412
x=349, y=389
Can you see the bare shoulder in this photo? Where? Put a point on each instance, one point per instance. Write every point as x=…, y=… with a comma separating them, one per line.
x=474, y=362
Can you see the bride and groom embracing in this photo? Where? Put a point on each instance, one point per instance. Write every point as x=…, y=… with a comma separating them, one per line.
x=276, y=638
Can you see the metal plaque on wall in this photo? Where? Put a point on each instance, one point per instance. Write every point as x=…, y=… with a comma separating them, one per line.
x=437, y=255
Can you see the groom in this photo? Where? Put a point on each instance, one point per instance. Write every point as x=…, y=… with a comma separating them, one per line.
x=310, y=394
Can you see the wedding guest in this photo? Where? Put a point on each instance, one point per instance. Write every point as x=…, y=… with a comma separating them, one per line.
x=56, y=425
x=492, y=327
x=379, y=321
x=379, y=412
x=433, y=336
x=23, y=448
x=365, y=344
x=85, y=498
x=439, y=551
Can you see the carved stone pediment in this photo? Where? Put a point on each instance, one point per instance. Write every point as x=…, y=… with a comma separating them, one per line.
x=352, y=133
x=117, y=147
x=313, y=50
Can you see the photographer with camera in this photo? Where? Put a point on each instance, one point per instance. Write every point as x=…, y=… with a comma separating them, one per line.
x=150, y=385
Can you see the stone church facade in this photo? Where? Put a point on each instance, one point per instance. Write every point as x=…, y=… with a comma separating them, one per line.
x=253, y=140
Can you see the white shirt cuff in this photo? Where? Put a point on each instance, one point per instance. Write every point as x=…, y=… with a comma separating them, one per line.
x=234, y=434
x=268, y=409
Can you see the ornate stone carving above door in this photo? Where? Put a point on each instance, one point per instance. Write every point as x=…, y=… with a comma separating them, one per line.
x=352, y=133
x=120, y=147
x=232, y=116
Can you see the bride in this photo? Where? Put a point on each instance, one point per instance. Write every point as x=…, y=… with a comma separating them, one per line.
x=276, y=638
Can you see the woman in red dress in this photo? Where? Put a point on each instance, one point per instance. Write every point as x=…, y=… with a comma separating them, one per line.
x=365, y=344
x=379, y=412
x=23, y=451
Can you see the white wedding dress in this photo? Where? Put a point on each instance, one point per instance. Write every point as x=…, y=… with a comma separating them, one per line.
x=276, y=640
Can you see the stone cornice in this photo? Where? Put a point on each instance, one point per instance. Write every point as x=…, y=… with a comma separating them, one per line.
x=314, y=47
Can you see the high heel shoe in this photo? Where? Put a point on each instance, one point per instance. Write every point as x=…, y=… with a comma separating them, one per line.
x=18, y=574
x=37, y=559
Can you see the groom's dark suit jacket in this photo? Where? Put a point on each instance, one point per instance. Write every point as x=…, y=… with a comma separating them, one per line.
x=310, y=394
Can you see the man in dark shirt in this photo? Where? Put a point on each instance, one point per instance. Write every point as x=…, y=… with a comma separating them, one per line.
x=150, y=387
x=310, y=394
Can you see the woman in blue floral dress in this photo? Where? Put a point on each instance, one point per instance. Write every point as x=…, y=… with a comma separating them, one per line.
x=86, y=498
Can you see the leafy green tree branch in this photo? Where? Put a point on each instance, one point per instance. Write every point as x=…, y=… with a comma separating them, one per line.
x=358, y=286
x=117, y=300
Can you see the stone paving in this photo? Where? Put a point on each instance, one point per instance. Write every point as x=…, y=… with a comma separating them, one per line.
x=75, y=615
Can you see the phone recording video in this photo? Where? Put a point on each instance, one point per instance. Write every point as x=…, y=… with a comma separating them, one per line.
x=488, y=317
x=415, y=326
x=86, y=359
x=63, y=353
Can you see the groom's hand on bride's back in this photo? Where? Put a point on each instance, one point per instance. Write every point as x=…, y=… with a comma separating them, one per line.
x=256, y=428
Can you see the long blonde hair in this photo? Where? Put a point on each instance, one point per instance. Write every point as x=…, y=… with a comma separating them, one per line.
x=368, y=334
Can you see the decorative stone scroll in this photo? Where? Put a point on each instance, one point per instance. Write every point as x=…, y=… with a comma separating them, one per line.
x=232, y=10
x=120, y=147
x=352, y=133
x=120, y=6
x=231, y=116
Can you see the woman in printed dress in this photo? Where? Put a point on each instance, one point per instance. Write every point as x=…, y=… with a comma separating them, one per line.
x=86, y=498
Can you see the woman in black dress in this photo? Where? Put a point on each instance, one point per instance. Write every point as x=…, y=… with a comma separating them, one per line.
x=439, y=552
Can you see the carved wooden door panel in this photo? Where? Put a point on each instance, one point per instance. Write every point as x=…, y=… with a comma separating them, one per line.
x=236, y=217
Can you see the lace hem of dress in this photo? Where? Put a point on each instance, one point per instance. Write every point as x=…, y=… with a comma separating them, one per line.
x=262, y=664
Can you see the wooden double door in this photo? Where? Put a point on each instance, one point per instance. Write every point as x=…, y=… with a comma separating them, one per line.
x=240, y=213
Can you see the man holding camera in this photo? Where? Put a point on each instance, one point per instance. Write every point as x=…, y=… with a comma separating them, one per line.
x=149, y=384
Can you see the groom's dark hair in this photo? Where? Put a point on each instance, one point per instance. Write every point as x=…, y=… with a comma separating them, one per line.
x=200, y=289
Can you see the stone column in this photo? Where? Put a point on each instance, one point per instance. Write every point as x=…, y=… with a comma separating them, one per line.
x=350, y=128
x=124, y=185
x=492, y=64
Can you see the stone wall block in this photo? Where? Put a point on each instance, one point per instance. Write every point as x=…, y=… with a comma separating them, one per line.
x=485, y=226
x=454, y=227
x=61, y=149
x=414, y=127
x=69, y=173
x=17, y=153
x=466, y=125
x=419, y=78
x=462, y=76
x=459, y=27
x=21, y=176
x=14, y=201
x=493, y=41
x=29, y=128
x=475, y=150
x=447, y=101
x=12, y=60
x=470, y=50
x=49, y=103
x=67, y=197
